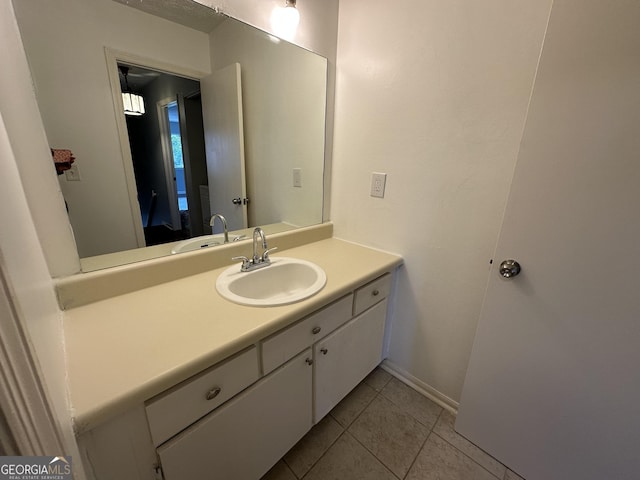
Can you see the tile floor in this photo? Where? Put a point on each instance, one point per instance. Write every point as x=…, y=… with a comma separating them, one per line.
x=386, y=430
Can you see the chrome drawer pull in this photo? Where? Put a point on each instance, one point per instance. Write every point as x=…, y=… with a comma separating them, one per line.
x=213, y=393
x=316, y=330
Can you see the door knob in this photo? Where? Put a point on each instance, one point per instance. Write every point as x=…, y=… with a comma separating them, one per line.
x=509, y=268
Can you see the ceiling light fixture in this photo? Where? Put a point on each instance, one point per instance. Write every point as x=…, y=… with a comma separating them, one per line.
x=284, y=20
x=133, y=103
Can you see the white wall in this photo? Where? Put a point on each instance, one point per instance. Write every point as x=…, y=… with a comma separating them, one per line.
x=435, y=95
x=64, y=41
x=22, y=255
x=26, y=133
x=282, y=85
x=317, y=31
x=32, y=289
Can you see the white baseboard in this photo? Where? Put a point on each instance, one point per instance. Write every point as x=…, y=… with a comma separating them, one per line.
x=421, y=387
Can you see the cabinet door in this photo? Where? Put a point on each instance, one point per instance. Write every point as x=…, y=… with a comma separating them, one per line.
x=249, y=434
x=345, y=357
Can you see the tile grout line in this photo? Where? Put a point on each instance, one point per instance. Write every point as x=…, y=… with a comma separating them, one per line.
x=364, y=446
x=471, y=458
x=362, y=411
x=408, y=413
x=431, y=431
x=378, y=394
x=321, y=456
x=344, y=430
x=423, y=443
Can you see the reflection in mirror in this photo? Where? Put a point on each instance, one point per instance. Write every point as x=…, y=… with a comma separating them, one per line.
x=213, y=88
x=173, y=114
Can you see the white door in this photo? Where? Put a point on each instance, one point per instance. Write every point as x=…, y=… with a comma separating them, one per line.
x=224, y=141
x=553, y=385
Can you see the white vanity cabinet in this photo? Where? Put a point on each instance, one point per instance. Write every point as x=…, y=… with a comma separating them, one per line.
x=171, y=411
x=345, y=357
x=283, y=345
x=345, y=349
x=236, y=419
x=242, y=439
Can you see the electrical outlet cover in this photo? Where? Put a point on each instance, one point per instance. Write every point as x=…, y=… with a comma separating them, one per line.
x=73, y=174
x=378, y=182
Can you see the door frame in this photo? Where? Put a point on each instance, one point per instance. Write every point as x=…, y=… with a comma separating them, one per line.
x=167, y=159
x=29, y=426
x=112, y=57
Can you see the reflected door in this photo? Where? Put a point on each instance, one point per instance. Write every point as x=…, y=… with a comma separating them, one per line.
x=224, y=142
x=552, y=387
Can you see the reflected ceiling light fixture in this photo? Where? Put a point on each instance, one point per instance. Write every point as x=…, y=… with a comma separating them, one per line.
x=133, y=103
x=284, y=20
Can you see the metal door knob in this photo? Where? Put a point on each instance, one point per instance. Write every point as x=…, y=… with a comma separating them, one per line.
x=509, y=268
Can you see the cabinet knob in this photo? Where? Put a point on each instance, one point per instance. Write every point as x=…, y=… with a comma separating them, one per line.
x=309, y=361
x=324, y=351
x=316, y=330
x=375, y=293
x=213, y=393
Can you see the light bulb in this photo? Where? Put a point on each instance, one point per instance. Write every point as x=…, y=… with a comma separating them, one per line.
x=284, y=21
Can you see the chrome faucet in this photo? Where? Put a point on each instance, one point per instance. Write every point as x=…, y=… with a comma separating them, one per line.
x=259, y=233
x=257, y=261
x=224, y=225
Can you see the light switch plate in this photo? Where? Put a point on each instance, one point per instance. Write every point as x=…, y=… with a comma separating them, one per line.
x=378, y=182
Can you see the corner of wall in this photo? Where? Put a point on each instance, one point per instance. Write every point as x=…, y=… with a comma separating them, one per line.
x=29, y=143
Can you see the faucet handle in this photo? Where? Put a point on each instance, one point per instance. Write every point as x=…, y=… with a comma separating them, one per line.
x=245, y=261
x=265, y=255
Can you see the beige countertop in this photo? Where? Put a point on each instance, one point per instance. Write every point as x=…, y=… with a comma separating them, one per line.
x=124, y=350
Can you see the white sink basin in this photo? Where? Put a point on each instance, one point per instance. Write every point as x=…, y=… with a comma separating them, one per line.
x=286, y=280
x=203, y=241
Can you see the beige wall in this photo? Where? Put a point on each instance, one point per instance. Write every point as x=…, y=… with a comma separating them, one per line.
x=434, y=94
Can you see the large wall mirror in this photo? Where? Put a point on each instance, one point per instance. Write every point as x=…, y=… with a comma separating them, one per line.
x=233, y=123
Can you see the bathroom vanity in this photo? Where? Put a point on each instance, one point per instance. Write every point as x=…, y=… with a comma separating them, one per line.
x=174, y=382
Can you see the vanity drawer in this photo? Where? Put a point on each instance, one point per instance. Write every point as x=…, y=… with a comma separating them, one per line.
x=371, y=293
x=177, y=408
x=286, y=344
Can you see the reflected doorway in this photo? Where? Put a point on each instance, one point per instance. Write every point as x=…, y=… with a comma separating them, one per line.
x=168, y=155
